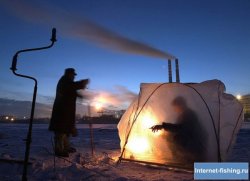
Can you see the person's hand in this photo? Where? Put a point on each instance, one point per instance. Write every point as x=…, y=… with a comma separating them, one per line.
x=156, y=128
x=84, y=82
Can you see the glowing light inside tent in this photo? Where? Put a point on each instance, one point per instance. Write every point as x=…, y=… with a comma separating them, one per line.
x=149, y=120
x=138, y=145
x=141, y=144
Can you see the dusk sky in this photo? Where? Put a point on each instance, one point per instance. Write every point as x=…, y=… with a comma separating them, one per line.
x=211, y=38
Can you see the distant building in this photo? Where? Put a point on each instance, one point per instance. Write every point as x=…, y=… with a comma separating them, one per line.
x=245, y=101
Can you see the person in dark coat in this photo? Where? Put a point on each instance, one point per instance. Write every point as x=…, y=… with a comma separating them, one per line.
x=63, y=114
x=187, y=138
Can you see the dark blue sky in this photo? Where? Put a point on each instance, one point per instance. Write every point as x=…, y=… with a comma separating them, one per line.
x=210, y=38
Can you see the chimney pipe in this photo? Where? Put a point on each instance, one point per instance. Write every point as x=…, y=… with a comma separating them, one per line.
x=177, y=70
x=170, y=71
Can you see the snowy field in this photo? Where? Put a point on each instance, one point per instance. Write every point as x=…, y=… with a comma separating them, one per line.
x=81, y=165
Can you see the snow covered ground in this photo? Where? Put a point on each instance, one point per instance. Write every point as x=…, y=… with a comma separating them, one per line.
x=81, y=165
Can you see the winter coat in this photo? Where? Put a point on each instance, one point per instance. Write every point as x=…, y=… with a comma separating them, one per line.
x=63, y=113
x=187, y=138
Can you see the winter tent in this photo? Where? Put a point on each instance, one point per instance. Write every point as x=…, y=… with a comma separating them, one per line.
x=219, y=116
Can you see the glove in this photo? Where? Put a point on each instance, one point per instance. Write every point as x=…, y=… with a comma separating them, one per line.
x=156, y=128
x=84, y=82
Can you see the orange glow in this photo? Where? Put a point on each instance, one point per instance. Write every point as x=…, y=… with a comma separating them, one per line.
x=98, y=106
x=149, y=120
x=138, y=145
x=141, y=143
x=101, y=99
x=238, y=97
x=100, y=102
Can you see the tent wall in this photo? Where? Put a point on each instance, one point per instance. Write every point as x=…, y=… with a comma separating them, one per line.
x=219, y=114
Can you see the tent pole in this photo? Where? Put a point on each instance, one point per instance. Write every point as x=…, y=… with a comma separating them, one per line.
x=169, y=71
x=188, y=168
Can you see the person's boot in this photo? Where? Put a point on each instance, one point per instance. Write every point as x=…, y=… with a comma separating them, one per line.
x=71, y=150
x=59, y=146
x=62, y=153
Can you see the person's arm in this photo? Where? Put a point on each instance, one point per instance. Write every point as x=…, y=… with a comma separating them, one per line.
x=171, y=127
x=156, y=128
x=80, y=84
x=167, y=127
x=70, y=88
x=66, y=88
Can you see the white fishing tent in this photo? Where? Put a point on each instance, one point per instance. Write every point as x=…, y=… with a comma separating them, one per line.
x=219, y=114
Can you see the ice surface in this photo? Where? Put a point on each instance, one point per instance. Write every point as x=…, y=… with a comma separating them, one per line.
x=83, y=166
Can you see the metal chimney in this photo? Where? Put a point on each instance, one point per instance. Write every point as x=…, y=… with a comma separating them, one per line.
x=177, y=71
x=170, y=71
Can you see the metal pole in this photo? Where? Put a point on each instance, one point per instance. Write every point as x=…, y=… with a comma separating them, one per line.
x=177, y=70
x=183, y=167
x=169, y=71
x=91, y=139
x=91, y=132
x=29, y=134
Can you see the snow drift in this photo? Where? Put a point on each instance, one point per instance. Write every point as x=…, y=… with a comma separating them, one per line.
x=219, y=115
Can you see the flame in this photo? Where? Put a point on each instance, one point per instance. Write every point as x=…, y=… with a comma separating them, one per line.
x=141, y=142
x=138, y=145
x=149, y=120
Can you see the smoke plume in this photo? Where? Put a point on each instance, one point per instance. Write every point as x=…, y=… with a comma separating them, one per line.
x=79, y=27
x=120, y=98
